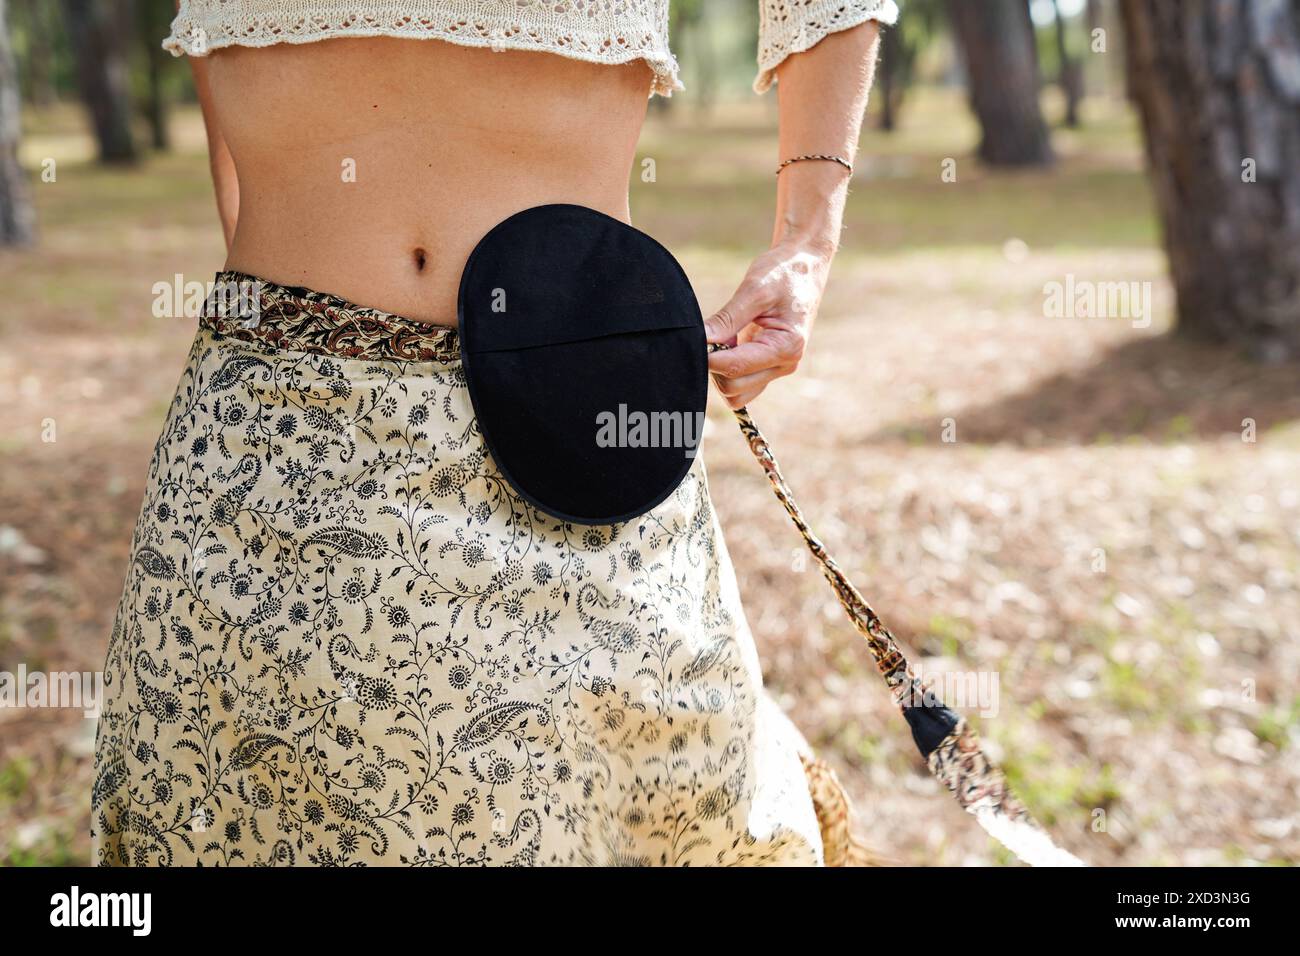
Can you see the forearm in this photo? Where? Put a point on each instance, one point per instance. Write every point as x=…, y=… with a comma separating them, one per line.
x=822, y=95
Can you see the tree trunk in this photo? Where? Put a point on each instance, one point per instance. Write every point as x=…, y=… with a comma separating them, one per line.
x=706, y=59
x=1069, y=73
x=17, y=222
x=996, y=39
x=889, y=82
x=1092, y=21
x=156, y=107
x=153, y=23
x=1218, y=88
x=101, y=32
x=38, y=65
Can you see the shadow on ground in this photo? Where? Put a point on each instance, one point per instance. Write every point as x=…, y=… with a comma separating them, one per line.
x=1165, y=388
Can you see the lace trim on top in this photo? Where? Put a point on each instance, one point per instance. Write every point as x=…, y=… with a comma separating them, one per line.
x=793, y=26
x=597, y=31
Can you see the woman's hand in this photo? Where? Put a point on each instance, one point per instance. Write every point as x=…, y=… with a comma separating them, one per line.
x=769, y=319
x=823, y=93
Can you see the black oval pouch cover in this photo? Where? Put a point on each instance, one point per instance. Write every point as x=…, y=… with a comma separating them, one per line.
x=585, y=353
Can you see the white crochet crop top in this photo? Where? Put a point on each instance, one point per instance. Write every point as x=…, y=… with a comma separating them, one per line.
x=600, y=31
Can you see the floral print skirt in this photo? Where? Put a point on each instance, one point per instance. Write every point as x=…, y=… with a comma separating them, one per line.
x=343, y=640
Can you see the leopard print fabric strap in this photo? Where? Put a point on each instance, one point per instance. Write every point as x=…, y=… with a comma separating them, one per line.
x=948, y=743
x=283, y=317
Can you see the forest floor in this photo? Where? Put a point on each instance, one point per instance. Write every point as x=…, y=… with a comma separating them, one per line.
x=1102, y=550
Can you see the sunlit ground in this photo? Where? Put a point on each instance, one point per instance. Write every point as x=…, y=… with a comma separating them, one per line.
x=1099, y=539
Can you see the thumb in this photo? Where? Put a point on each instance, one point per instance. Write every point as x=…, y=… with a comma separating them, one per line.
x=723, y=325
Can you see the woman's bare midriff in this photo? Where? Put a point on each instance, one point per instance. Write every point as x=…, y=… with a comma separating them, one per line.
x=369, y=168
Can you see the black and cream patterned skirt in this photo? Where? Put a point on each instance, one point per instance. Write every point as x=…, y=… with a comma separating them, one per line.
x=343, y=639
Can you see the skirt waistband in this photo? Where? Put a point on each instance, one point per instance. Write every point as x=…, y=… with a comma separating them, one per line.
x=294, y=319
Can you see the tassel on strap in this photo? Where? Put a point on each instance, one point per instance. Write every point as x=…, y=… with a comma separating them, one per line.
x=950, y=746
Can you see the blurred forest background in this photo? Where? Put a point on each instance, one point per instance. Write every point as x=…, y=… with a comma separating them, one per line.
x=1098, y=506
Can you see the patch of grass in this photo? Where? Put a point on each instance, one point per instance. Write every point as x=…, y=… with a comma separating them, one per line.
x=15, y=779
x=1277, y=726
x=1058, y=793
x=857, y=745
x=6, y=639
x=1125, y=686
x=54, y=848
x=1159, y=692
x=950, y=634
